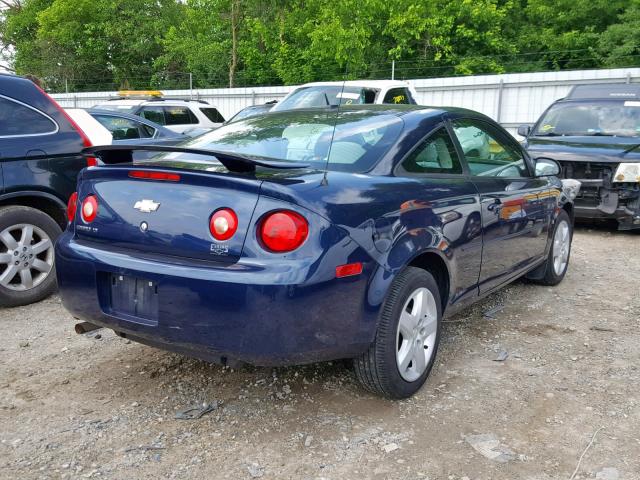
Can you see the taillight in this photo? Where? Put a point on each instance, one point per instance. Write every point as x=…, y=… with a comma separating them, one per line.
x=223, y=224
x=89, y=209
x=151, y=175
x=283, y=231
x=91, y=161
x=72, y=206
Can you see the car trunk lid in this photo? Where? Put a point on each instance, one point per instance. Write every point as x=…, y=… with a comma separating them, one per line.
x=166, y=210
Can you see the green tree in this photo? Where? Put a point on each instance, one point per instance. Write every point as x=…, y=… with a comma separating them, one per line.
x=619, y=44
x=562, y=34
x=89, y=43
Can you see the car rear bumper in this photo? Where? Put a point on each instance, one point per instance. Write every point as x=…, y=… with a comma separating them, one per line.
x=255, y=312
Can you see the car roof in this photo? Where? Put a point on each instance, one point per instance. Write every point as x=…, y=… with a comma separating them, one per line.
x=604, y=91
x=159, y=101
x=116, y=113
x=360, y=83
x=391, y=109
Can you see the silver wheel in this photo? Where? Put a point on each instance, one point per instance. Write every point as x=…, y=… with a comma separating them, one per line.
x=561, y=247
x=26, y=257
x=416, y=335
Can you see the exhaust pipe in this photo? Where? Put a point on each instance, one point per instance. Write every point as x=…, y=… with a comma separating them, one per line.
x=86, y=327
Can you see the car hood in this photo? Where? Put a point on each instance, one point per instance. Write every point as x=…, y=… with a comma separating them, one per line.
x=584, y=149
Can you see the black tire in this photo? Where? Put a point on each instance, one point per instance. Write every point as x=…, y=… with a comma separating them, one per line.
x=377, y=369
x=15, y=215
x=549, y=276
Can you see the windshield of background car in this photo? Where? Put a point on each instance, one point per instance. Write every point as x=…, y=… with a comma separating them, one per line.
x=360, y=139
x=608, y=118
x=116, y=107
x=327, y=95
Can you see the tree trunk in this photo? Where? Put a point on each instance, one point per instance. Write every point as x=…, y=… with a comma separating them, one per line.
x=235, y=19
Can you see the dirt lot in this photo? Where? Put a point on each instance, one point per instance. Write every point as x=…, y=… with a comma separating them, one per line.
x=79, y=407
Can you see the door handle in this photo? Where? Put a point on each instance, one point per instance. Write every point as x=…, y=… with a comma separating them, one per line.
x=495, y=205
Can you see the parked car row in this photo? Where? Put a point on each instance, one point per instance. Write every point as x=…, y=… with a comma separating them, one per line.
x=344, y=221
x=183, y=116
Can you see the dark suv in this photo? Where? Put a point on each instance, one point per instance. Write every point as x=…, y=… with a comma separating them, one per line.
x=39, y=162
x=594, y=134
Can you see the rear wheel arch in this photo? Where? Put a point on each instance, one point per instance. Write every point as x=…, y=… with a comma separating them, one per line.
x=46, y=203
x=433, y=263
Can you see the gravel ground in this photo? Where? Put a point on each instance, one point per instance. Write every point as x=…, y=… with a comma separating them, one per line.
x=101, y=407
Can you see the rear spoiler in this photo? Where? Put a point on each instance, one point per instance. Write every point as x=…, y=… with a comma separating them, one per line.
x=114, y=154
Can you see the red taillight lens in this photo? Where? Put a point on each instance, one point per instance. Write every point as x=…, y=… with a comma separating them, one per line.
x=150, y=175
x=89, y=209
x=72, y=206
x=223, y=224
x=283, y=231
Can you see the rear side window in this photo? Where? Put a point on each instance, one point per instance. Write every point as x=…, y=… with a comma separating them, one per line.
x=18, y=119
x=436, y=154
x=155, y=114
x=124, y=128
x=179, y=116
x=213, y=114
x=398, y=96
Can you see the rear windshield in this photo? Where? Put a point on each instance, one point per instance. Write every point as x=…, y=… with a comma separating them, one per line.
x=360, y=139
x=327, y=95
x=596, y=118
x=250, y=112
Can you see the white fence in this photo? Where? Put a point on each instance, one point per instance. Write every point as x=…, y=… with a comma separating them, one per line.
x=511, y=99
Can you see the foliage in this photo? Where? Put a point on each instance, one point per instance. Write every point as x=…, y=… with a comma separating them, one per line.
x=105, y=44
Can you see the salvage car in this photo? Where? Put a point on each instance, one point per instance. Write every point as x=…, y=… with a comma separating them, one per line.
x=352, y=92
x=594, y=134
x=311, y=235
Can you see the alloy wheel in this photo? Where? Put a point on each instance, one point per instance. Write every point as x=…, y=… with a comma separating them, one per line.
x=416, y=334
x=26, y=257
x=561, y=247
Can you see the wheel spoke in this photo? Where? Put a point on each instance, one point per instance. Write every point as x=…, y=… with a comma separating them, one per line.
x=407, y=323
x=27, y=235
x=8, y=240
x=8, y=275
x=405, y=355
x=6, y=258
x=26, y=279
x=430, y=326
x=41, y=246
x=419, y=360
x=41, y=265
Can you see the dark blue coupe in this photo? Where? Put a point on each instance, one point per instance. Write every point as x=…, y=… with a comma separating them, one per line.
x=309, y=235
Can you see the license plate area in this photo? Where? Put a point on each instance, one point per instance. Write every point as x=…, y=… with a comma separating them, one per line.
x=134, y=297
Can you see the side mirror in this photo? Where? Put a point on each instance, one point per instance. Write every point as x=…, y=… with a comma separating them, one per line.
x=524, y=130
x=547, y=167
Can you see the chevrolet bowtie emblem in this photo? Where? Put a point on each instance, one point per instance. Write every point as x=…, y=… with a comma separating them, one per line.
x=146, y=206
